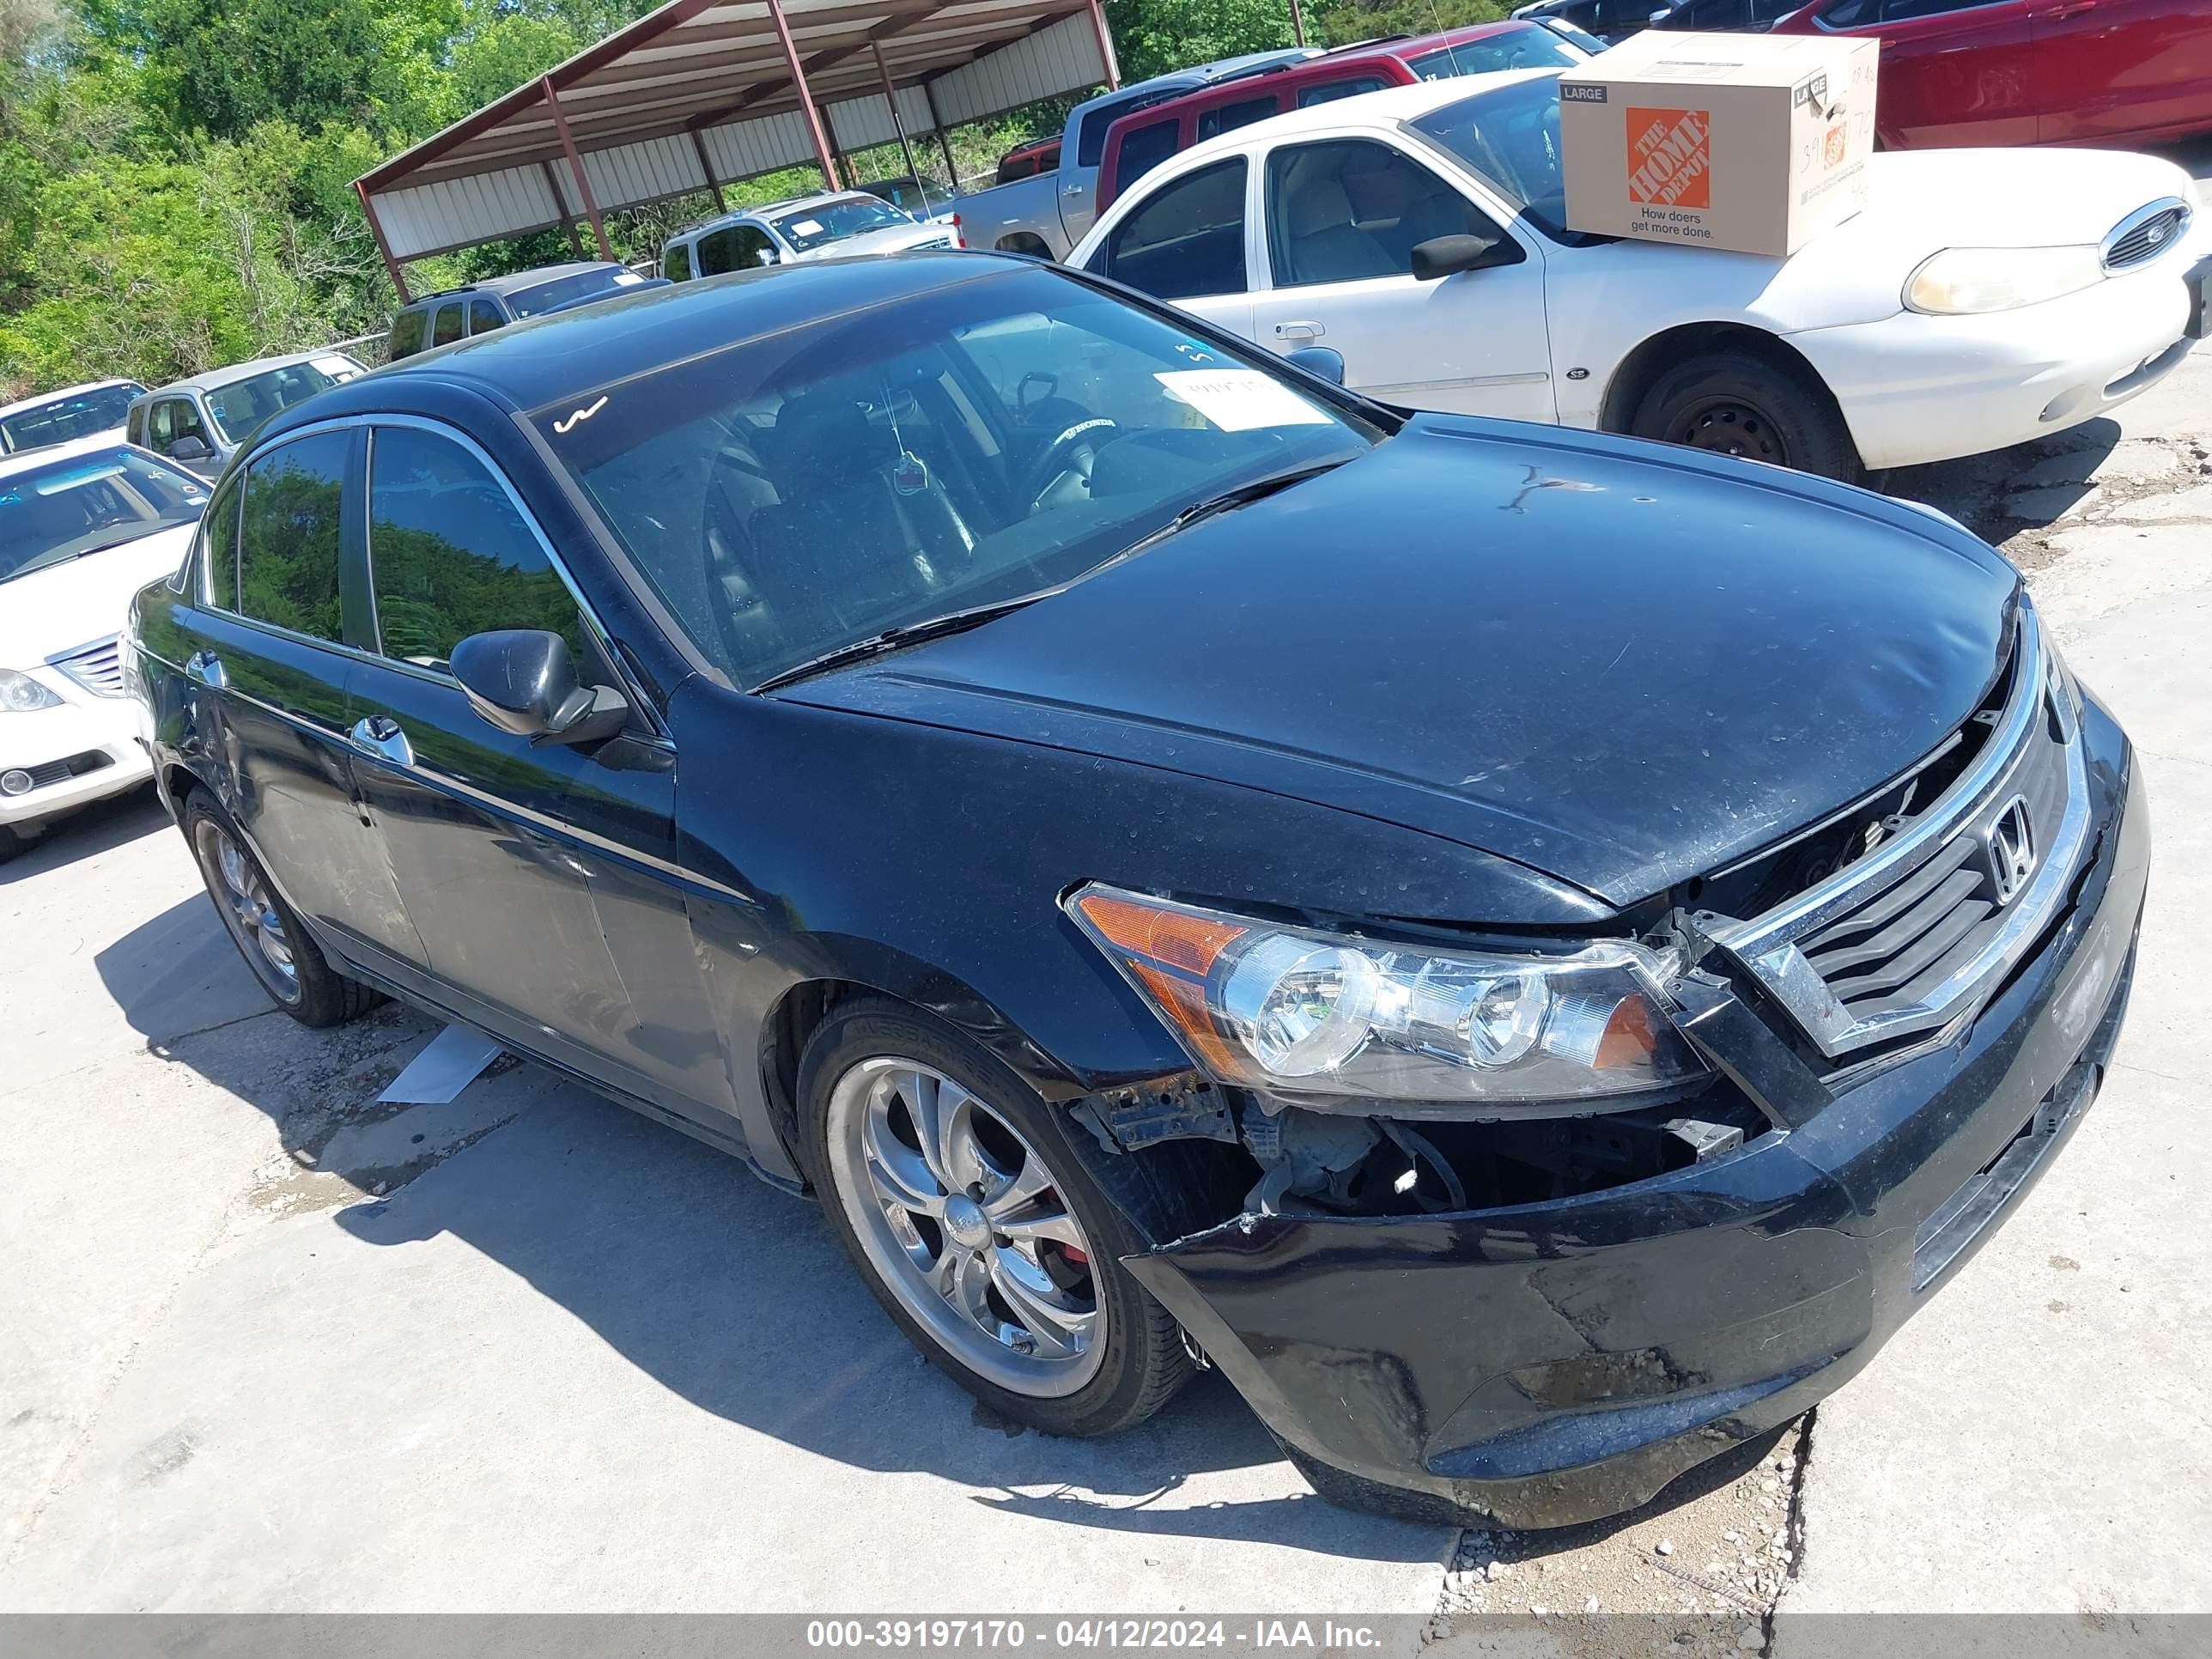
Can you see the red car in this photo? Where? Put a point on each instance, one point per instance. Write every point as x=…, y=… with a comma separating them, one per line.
x=1137, y=144
x=2022, y=71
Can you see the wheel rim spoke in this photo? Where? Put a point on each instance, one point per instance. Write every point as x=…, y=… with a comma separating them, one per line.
x=901, y=1175
x=1060, y=1329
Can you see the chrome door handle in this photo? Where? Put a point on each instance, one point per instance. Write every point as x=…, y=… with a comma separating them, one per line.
x=1073, y=190
x=379, y=735
x=205, y=668
x=1299, y=330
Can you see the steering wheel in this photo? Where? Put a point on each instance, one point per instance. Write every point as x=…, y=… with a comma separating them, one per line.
x=1059, y=456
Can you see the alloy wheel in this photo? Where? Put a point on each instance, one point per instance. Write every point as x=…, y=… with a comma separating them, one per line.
x=967, y=1226
x=241, y=894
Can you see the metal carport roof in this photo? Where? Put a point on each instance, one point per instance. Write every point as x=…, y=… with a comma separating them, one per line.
x=700, y=93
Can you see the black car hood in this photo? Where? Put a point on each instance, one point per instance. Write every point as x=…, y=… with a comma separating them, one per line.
x=1619, y=664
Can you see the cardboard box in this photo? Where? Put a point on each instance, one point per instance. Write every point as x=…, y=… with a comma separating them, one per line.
x=1751, y=142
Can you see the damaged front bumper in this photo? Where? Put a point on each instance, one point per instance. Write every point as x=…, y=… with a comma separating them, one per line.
x=1546, y=1364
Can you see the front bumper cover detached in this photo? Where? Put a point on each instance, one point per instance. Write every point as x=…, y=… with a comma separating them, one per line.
x=1548, y=1364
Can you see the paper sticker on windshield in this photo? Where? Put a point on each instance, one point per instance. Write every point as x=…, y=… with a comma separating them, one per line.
x=626, y=278
x=807, y=228
x=1240, y=399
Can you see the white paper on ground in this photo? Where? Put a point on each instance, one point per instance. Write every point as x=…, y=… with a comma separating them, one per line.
x=449, y=1063
x=1240, y=399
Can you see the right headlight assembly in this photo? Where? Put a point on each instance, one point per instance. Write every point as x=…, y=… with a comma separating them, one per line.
x=20, y=694
x=1968, y=281
x=1319, y=1020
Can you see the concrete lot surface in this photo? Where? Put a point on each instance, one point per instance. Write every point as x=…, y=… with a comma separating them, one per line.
x=266, y=1346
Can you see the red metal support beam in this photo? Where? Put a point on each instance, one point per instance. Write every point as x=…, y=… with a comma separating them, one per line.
x=814, y=127
x=1106, y=43
x=376, y=230
x=576, y=167
x=561, y=206
x=707, y=169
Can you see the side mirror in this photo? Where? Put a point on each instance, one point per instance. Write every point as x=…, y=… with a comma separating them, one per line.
x=1325, y=361
x=520, y=679
x=1442, y=256
x=189, y=449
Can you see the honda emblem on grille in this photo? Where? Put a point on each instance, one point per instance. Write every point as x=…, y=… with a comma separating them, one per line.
x=2011, y=851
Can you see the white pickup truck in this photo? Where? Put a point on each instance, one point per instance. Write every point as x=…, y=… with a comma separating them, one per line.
x=1048, y=213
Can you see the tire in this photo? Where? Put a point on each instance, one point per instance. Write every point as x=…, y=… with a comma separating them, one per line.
x=1739, y=404
x=264, y=928
x=858, y=1067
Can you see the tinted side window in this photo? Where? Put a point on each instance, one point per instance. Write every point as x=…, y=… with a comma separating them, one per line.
x=717, y=252
x=1227, y=118
x=219, y=554
x=449, y=555
x=1329, y=91
x=135, y=427
x=1188, y=240
x=447, y=328
x=1353, y=209
x=407, y=333
x=755, y=249
x=1145, y=148
x=676, y=262
x=483, y=317
x=288, y=549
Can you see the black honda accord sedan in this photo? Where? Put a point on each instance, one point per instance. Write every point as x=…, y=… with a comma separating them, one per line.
x=1531, y=951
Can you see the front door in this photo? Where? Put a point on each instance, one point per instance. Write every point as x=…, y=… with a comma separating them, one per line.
x=268, y=691
x=538, y=876
x=2122, y=66
x=1341, y=218
x=1186, y=243
x=1951, y=72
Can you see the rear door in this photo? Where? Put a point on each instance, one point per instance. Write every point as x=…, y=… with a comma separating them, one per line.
x=538, y=876
x=1187, y=242
x=267, y=673
x=2117, y=67
x=1951, y=72
x=1341, y=218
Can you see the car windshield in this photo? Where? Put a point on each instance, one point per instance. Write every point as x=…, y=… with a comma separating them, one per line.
x=970, y=446
x=1522, y=46
x=59, y=419
x=565, y=291
x=241, y=407
x=832, y=221
x=86, y=502
x=1511, y=137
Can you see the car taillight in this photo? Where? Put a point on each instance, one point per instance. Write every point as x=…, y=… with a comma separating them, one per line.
x=959, y=236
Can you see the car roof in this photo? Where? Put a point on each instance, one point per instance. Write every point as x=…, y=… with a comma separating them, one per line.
x=45, y=397
x=1391, y=106
x=24, y=459
x=541, y=360
x=215, y=380
x=515, y=281
x=762, y=210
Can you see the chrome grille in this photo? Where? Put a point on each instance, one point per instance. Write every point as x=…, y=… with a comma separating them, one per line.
x=98, y=667
x=2146, y=233
x=1922, y=930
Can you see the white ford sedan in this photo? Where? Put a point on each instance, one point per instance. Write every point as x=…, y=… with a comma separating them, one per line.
x=1983, y=298
x=84, y=527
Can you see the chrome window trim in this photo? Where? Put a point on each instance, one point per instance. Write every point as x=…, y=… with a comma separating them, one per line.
x=1767, y=946
x=2142, y=217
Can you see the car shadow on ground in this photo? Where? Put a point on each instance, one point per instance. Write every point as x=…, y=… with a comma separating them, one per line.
x=99, y=828
x=2000, y=494
x=723, y=1289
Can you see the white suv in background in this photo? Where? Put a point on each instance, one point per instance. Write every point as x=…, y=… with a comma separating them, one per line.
x=84, y=527
x=849, y=223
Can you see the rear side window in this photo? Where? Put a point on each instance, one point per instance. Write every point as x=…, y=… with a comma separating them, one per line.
x=219, y=556
x=1329, y=91
x=1188, y=240
x=406, y=334
x=1227, y=118
x=1146, y=148
x=483, y=317
x=676, y=262
x=450, y=555
x=288, y=547
x=447, y=328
